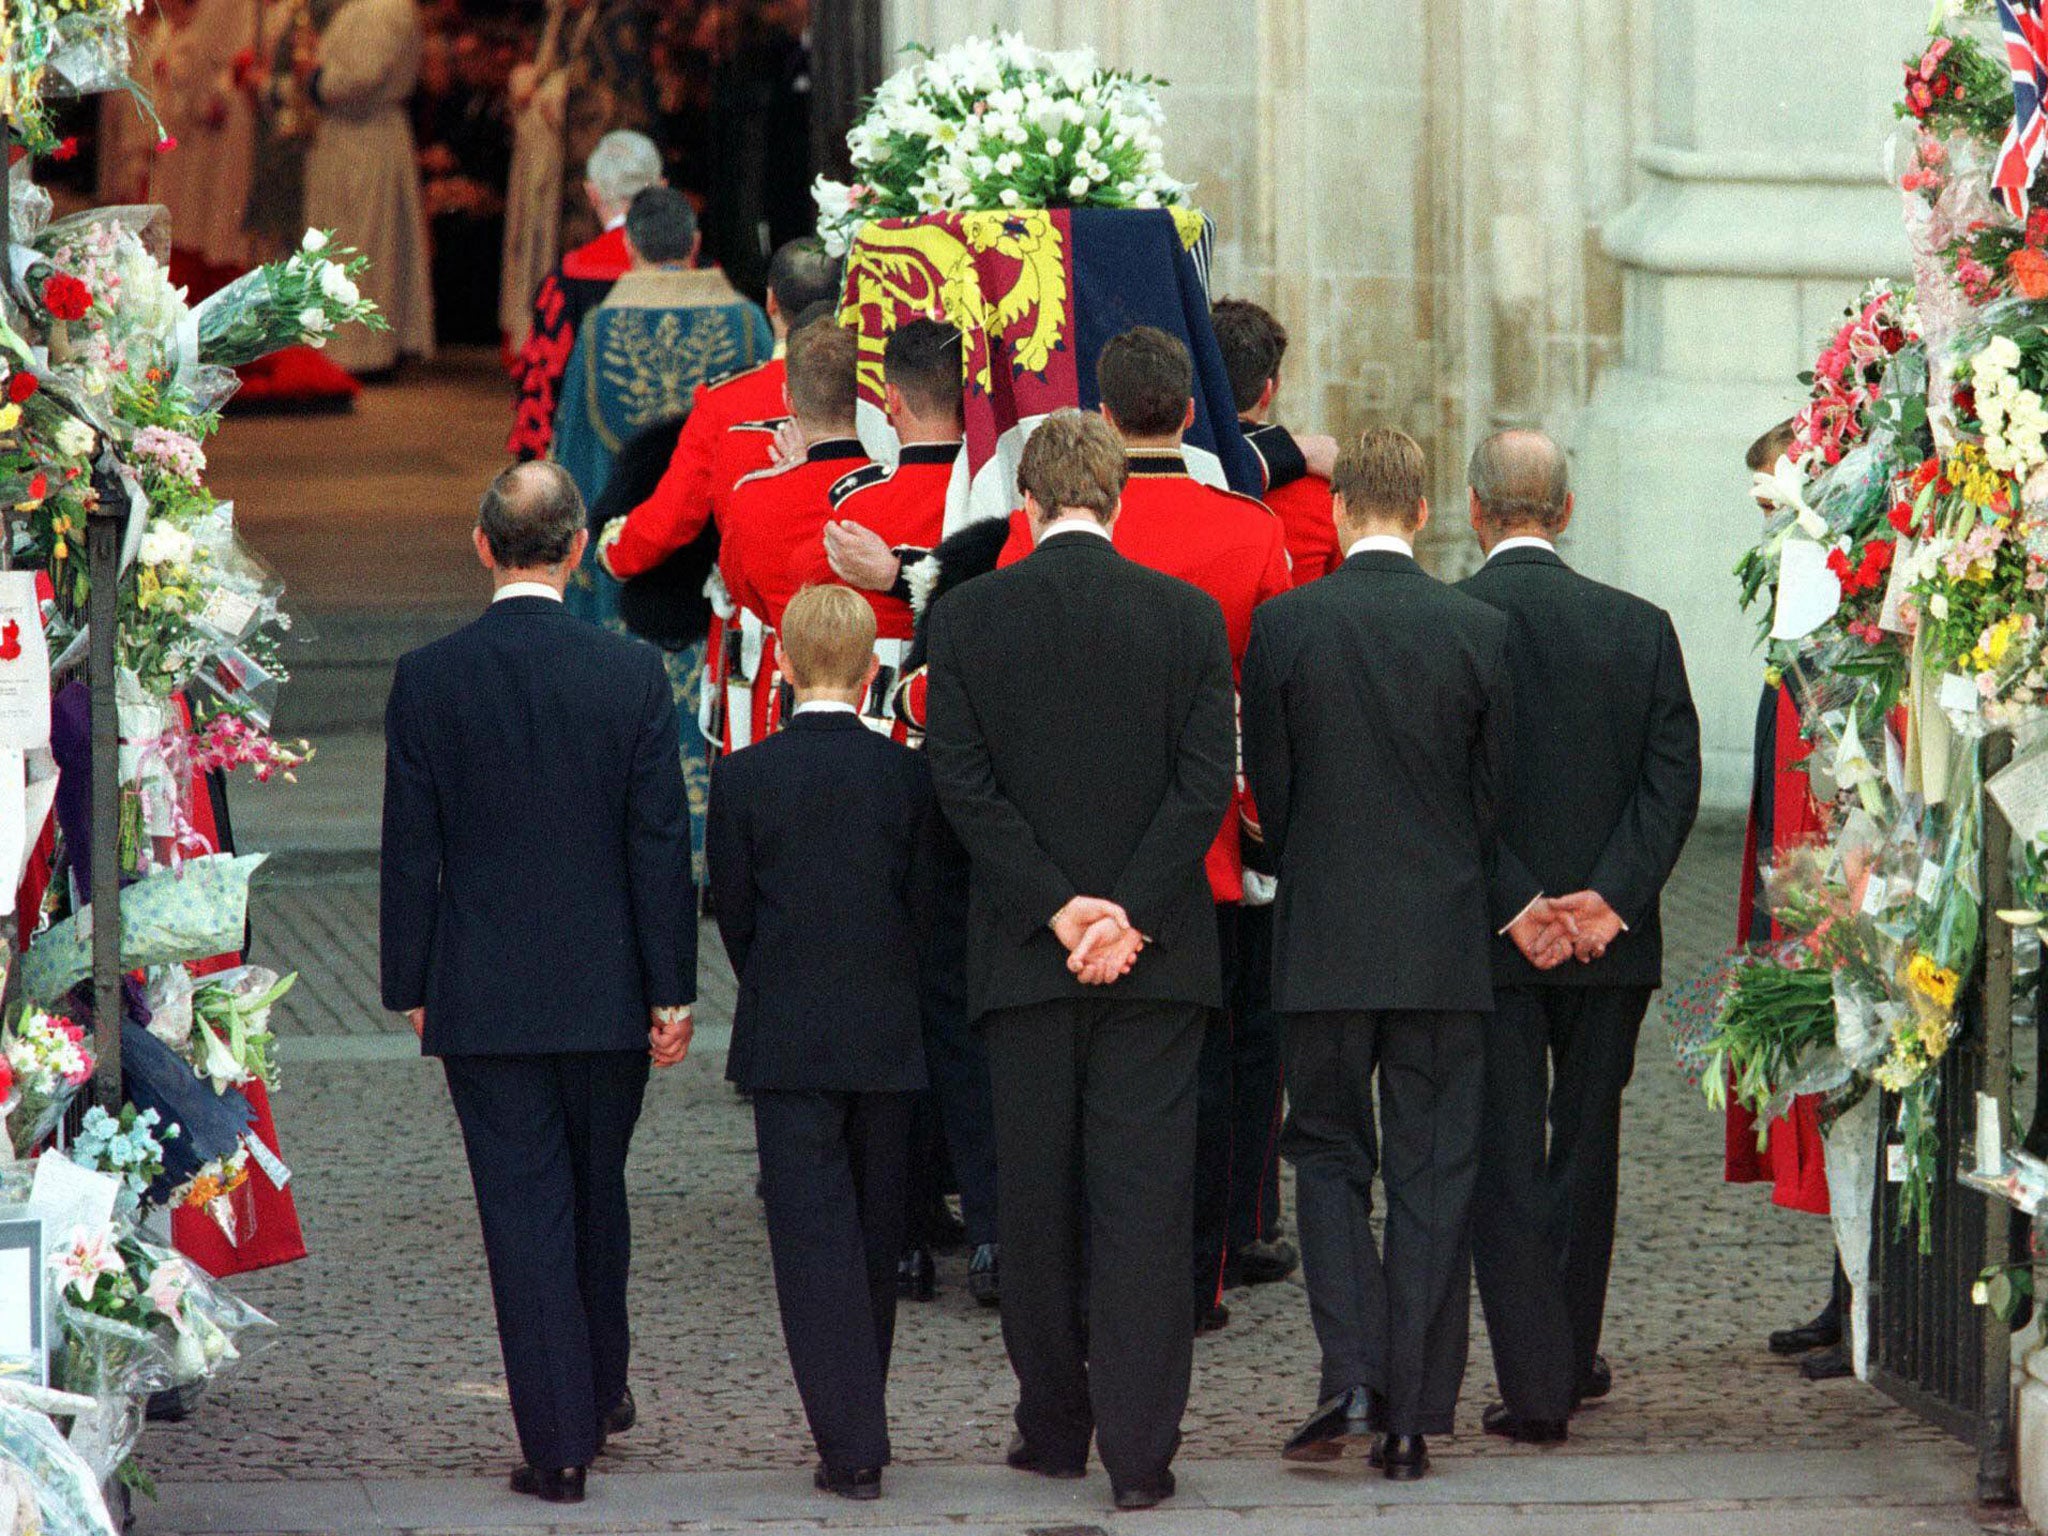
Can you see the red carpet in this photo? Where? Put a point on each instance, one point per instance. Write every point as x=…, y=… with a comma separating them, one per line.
x=296, y=379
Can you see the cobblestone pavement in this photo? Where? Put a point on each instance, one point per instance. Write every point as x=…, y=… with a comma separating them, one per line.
x=387, y=1364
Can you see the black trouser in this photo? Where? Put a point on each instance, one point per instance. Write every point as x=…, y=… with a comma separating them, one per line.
x=1557, y=1060
x=1254, y=1085
x=834, y=1170
x=547, y=1138
x=1398, y=1325
x=1095, y=1141
x=1214, y=1116
x=955, y=1057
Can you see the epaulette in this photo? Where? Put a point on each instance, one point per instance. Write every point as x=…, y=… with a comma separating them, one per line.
x=1278, y=454
x=765, y=424
x=719, y=381
x=859, y=480
x=769, y=473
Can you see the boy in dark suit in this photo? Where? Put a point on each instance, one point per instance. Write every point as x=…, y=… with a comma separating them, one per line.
x=817, y=849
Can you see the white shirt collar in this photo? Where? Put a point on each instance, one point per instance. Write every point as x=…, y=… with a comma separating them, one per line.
x=618, y=223
x=1381, y=544
x=526, y=589
x=826, y=707
x=1522, y=541
x=1077, y=524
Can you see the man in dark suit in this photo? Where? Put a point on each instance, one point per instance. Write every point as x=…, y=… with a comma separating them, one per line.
x=1376, y=734
x=1081, y=743
x=817, y=845
x=1606, y=783
x=539, y=927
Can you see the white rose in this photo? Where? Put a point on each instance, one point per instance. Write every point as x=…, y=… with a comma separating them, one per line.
x=314, y=321
x=1146, y=199
x=315, y=241
x=337, y=285
x=74, y=438
x=164, y=544
x=1079, y=186
x=1011, y=198
x=1055, y=148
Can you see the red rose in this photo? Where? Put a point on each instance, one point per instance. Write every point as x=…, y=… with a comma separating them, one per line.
x=1901, y=517
x=1966, y=402
x=1891, y=338
x=66, y=150
x=1919, y=99
x=66, y=298
x=20, y=387
x=166, y=144
x=1941, y=87
x=1877, y=558
x=38, y=486
x=1839, y=564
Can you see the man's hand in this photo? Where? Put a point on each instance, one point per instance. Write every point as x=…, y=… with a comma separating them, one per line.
x=1544, y=934
x=668, y=1035
x=1321, y=453
x=1597, y=924
x=418, y=1019
x=1071, y=924
x=789, y=446
x=861, y=557
x=1106, y=956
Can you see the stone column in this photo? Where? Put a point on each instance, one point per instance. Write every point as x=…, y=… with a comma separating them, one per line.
x=1760, y=210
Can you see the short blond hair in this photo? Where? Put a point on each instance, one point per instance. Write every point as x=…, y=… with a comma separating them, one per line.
x=1382, y=479
x=1075, y=462
x=829, y=633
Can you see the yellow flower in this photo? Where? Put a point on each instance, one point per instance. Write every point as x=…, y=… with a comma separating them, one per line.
x=1934, y=982
x=10, y=417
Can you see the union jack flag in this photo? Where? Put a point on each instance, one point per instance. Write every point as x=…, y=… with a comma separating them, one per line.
x=2026, y=48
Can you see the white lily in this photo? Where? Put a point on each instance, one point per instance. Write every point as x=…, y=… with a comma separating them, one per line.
x=1784, y=486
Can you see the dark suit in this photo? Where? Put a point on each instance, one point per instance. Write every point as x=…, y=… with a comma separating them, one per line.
x=1376, y=733
x=817, y=843
x=1081, y=741
x=1606, y=784
x=537, y=902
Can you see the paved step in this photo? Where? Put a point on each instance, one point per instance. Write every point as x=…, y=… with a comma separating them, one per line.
x=341, y=667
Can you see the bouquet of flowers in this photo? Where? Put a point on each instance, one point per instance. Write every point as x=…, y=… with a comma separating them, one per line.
x=231, y=1039
x=1846, y=376
x=298, y=301
x=49, y=1061
x=996, y=123
x=125, y=1146
x=1773, y=1011
x=83, y=42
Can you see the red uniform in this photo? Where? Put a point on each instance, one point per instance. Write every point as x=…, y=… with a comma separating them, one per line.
x=773, y=515
x=1230, y=546
x=690, y=490
x=1300, y=499
x=906, y=507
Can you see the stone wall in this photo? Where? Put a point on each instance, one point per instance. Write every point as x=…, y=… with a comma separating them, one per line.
x=1625, y=221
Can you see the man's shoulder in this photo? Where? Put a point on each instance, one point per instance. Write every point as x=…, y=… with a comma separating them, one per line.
x=1518, y=586
x=866, y=477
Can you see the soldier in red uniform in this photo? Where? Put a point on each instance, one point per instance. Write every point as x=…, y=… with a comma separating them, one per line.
x=1297, y=468
x=904, y=508
x=707, y=461
x=1235, y=549
x=777, y=512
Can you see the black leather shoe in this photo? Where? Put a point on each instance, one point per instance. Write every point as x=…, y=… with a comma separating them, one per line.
x=551, y=1485
x=1827, y=1364
x=1595, y=1384
x=1212, y=1319
x=917, y=1277
x=862, y=1483
x=1824, y=1332
x=1496, y=1420
x=625, y=1413
x=1022, y=1457
x=1337, y=1422
x=985, y=1275
x=1145, y=1495
x=1404, y=1458
x=1263, y=1263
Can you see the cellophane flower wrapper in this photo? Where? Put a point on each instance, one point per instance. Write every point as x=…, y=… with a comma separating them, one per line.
x=169, y=917
x=233, y=1008
x=244, y=594
x=214, y=1329
x=242, y=684
x=1691, y=1010
x=61, y=1490
x=117, y=1365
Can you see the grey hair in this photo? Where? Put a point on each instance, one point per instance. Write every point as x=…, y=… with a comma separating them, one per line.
x=1520, y=477
x=623, y=165
x=530, y=516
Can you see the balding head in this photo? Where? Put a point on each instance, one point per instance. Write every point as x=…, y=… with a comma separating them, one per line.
x=1520, y=485
x=530, y=519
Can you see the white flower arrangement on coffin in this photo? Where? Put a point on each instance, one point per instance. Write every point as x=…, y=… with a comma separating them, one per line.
x=996, y=123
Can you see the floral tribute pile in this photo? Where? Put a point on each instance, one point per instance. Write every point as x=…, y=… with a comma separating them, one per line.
x=1902, y=584
x=110, y=384
x=995, y=123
